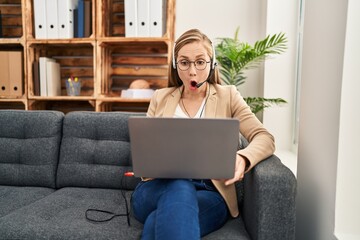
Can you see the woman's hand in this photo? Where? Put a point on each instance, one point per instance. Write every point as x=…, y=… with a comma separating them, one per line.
x=240, y=165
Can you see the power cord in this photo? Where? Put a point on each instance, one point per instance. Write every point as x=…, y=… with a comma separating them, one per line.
x=112, y=214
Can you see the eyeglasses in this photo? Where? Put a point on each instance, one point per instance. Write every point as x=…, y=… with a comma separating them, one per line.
x=199, y=64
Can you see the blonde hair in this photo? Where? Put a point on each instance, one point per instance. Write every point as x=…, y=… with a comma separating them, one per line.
x=190, y=36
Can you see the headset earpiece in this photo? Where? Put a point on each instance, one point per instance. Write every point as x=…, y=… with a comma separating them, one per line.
x=173, y=57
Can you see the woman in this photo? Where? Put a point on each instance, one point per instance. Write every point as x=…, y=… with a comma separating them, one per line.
x=190, y=209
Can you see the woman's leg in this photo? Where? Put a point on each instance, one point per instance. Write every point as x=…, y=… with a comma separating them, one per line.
x=213, y=211
x=175, y=216
x=171, y=208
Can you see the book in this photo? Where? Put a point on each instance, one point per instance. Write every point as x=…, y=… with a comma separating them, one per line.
x=137, y=93
x=53, y=79
x=43, y=75
x=76, y=28
x=36, y=78
x=87, y=19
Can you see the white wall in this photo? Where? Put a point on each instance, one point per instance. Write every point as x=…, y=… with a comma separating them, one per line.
x=321, y=84
x=220, y=19
x=279, y=72
x=347, y=208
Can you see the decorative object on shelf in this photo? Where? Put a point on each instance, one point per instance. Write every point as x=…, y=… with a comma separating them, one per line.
x=235, y=57
x=138, y=89
x=73, y=86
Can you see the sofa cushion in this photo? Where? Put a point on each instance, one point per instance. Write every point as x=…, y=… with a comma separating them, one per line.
x=95, y=151
x=61, y=215
x=29, y=147
x=13, y=197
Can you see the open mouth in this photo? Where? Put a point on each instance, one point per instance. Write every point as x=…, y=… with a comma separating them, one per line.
x=193, y=83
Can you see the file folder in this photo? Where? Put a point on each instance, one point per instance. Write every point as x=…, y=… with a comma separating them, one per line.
x=40, y=19
x=65, y=16
x=130, y=18
x=52, y=19
x=157, y=18
x=53, y=79
x=87, y=19
x=43, y=75
x=80, y=19
x=143, y=13
x=4, y=74
x=15, y=74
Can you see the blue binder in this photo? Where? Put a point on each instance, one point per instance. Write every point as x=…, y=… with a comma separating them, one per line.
x=80, y=18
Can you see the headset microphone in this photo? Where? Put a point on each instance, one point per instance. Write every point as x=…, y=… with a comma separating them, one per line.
x=197, y=85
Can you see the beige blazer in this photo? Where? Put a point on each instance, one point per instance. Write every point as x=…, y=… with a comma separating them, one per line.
x=223, y=102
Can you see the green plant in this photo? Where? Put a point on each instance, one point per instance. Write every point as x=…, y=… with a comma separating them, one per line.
x=235, y=57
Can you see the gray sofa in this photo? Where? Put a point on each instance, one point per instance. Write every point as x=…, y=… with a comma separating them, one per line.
x=53, y=167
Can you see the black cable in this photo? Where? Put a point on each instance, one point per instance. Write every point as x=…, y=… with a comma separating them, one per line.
x=113, y=215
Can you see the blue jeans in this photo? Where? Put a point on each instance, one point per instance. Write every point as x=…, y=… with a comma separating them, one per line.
x=178, y=208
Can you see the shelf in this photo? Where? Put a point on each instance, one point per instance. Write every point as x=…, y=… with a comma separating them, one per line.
x=61, y=42
x=62, y=105
x=128, y=61
x=13, y=104
x=11, y=20
x=75, y=59
x=106, y=62
x=63, y=98
x=125, y=100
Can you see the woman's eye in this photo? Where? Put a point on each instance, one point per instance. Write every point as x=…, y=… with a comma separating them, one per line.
x=200, y=62
x=184, y=63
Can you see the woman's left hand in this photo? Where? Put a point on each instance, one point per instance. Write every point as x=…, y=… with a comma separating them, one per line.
x=240, y=166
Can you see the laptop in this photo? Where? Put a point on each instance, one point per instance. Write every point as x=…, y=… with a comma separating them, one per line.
x=183, y=148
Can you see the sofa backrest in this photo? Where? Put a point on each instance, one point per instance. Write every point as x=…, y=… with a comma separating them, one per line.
x=95, y=151
x=29, y=147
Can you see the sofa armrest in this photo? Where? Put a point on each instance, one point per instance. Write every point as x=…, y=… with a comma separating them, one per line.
x=269, y=201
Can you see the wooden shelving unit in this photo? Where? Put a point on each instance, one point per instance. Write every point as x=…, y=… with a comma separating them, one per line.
x=106, y=62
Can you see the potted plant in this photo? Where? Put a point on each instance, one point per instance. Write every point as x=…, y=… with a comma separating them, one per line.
x=234, y=57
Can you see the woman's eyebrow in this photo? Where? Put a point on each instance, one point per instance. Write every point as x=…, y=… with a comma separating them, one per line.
x=196, y=57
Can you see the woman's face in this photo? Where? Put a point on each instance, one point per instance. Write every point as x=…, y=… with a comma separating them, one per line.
x=187, y=55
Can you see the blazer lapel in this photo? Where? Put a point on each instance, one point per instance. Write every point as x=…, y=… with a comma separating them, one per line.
x=210, y=108
x=172, y=102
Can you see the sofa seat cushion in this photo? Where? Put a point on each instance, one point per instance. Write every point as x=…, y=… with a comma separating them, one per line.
x=12, y=198
x=61, y=215
x=234, y=229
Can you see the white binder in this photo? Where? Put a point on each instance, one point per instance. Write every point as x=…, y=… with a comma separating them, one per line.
x=43, y=75
x=65, y=16
x=40, y=19
x=53, y=79
x=130, y=18
x=143, y=13
x=157, y=18
x=52, y=19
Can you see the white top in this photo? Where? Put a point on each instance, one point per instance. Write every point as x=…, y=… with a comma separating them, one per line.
x=179, y=113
